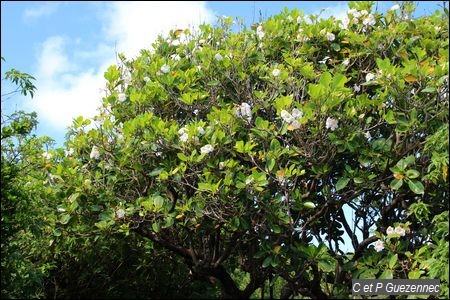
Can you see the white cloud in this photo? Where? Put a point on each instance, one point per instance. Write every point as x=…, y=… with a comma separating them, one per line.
x=68, y=89
x=45, y=9
x=64, y=92
x=339, y=11
x=134, y=25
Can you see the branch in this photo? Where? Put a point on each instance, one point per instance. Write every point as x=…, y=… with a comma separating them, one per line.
x=363, y=245
x=185, y=253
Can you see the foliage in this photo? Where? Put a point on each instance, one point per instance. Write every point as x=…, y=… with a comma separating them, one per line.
x=236, y=157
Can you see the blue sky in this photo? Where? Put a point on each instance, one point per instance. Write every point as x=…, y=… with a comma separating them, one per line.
x=67, y=46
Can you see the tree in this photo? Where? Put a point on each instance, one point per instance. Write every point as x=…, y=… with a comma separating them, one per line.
x=244, y=150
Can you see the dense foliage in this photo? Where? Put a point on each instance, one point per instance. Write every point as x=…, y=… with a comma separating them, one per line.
x=296, y=154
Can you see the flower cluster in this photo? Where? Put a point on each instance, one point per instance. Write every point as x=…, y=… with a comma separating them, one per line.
x=69, y=152
x=259, y=32
x=379, y=245
x=184, y=136
x=244, y=110
x=357, y=16
x=165, y=68
x=47, y=155
x=398, y=230
x=331, y=124
x=276, y=72
x=122, y=97
x=206, y=149
x=120, y=213
x=292, y=119
x=95, y=154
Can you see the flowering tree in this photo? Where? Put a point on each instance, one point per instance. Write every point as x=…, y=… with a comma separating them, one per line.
x=283, y=151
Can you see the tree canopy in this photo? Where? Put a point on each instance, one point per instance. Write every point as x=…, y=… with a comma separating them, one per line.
x=299, y=153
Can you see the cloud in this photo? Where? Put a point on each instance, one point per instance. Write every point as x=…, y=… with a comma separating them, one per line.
x=339, y=11
x=45, y=9
x=134, y=25
x=64, y=92
x=70, y=78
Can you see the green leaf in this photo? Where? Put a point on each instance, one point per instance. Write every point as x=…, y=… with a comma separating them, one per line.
x=416, y=186
x=158, y=201
x=156, y=227
x=270, y=163
x=396, y=184
x=156, y=172
x=411, y=174
x=342, y=183
x=309, y=204
x=267, y=261
x=282, y=102
x=275, y=145
x=387, y=274
x=182, y=156
x=64, y=219
x=148, y=205
x=358, y=180
x=239, y=146
x=393, y=261
x=415, y=274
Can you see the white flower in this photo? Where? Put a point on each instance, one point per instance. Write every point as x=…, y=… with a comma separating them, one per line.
x=146, y=79
x=297, y=114
x=345, y=22
x=369, y=20
x=395, y=7
x=95, y=154
x=175, y=42
x=299, y=20
x=275, y=72
x=201, y=42
x=69, y=152
x=364, y=12
x=165, y=69
x=60, y=209
x=379, y=245
x=354, y=13
x=221, y=165
x=122, y=97
x=356, y=88
x=175, y=57
x=244, y=110
x=182, y=130
x=120, y=213
x=346, y=62
x=330, y=36
x=259, y=32
x=184, y=137
x=295, y=124
x=390, y=230
x=289, y=18
x=370, y=77
x=399, y=230
x=331, y=124
x=199, y=68
x=368, y=135
x=206, y=149
x=47, y=155
x=287, y=117
x=218, y=57
x=324, y=60
x=248, y=181
x=200, y=130
x=195, y=111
